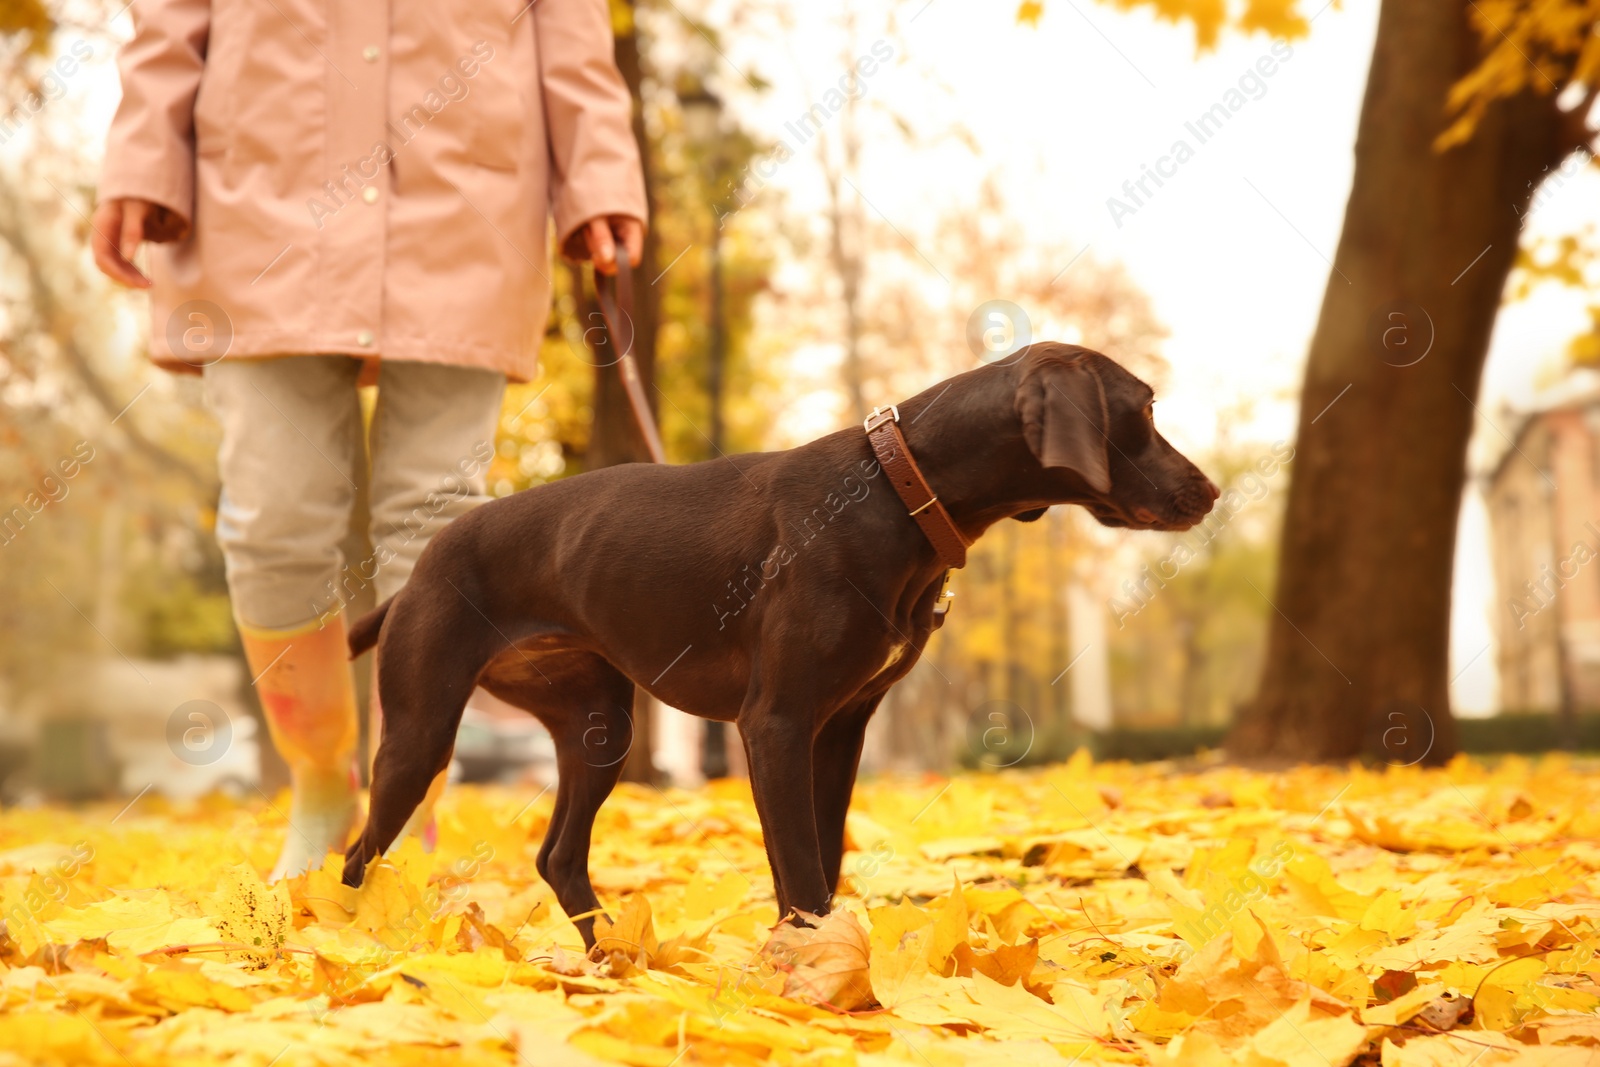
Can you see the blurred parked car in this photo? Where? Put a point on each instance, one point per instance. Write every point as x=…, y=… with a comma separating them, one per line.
x=498, y=742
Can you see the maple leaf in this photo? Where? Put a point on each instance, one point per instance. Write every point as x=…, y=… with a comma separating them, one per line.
x=825, y=963
x=476, y=932
x=630, y=941
x=251, y=915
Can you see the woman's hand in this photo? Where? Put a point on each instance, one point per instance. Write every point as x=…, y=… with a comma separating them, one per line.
x=120, y=225
x=601, y=236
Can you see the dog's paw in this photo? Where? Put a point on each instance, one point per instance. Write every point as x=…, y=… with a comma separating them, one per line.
x=823, y=959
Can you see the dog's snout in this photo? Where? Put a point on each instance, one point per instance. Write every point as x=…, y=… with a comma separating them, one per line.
x=1191, y=501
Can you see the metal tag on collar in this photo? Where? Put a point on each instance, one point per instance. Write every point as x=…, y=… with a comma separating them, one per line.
x=880, y=416
x=941, y=603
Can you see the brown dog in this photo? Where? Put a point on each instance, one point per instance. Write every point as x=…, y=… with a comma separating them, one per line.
x=783, y=591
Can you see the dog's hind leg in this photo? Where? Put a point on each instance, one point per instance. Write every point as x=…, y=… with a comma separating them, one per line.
x=424, y=682
x=589, y=771
x=587, y=705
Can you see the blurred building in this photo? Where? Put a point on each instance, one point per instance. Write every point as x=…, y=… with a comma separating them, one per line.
x=1544, y=518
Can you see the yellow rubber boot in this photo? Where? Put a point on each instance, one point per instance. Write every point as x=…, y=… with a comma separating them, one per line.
x=422, y=822
x=309, y=700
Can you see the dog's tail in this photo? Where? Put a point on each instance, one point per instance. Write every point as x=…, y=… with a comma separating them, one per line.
x=364, y=634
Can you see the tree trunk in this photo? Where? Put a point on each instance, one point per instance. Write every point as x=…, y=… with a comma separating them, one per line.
x=1357, y=657
x=614, y=436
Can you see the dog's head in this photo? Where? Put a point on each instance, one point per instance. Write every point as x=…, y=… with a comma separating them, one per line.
x=1087, y=419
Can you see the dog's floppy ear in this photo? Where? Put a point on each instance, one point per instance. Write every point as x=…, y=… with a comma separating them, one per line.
x=1064, y=417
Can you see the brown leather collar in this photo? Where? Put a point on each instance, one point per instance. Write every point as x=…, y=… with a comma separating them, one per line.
x=889, y=445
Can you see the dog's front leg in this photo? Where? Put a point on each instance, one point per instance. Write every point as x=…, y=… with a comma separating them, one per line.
x=778, y=747
x=835, y=755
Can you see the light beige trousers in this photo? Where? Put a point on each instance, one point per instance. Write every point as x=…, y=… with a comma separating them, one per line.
x=291, y=446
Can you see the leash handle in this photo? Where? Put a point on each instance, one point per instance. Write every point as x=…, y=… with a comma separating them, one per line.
x=615, y=294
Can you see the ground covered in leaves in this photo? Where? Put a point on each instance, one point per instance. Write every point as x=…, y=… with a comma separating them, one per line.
x=1137, y=914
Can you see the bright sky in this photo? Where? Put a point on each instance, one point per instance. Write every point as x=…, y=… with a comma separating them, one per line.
x=1233, y=248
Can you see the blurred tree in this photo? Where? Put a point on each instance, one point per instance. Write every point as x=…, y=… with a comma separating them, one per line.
x=853, y=235
x=1358, y=651
x=106, y=477
x=1359, y=645
x=719, y=268
x=1570, y=259
x=1189, y=640
x=839, y=156
x=26, y=25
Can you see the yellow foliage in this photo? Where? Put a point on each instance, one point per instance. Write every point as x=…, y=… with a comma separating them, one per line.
x=1540, y=46
x=29, y=21
x=1210, y=18
x=1424, y=917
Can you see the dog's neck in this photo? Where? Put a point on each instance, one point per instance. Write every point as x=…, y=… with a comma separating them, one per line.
x=966, y=435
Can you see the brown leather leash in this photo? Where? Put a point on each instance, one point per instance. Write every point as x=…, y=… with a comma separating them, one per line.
x=615, y=293
x=922, y=503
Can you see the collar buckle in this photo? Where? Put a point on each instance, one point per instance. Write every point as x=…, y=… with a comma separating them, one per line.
x=880, y=416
